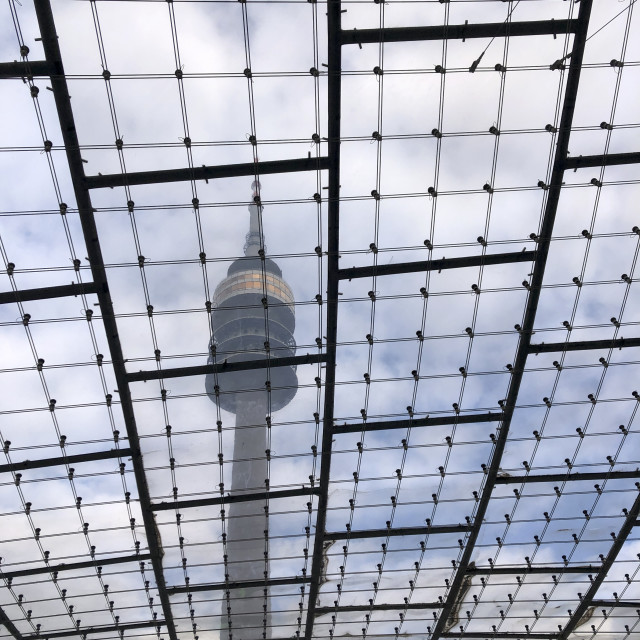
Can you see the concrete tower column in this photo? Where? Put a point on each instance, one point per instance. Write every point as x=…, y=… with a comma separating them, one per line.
x=247, y=522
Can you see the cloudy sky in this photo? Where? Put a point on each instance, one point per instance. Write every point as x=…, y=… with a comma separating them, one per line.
x=218, y=108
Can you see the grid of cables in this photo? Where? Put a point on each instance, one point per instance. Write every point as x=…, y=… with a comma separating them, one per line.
x=449, y=190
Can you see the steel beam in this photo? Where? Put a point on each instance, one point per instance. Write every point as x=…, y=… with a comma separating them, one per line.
x=611, y=159
x=588, y=598
x=608, y=604
x=524, y=570
x=45, y=293
x=383, y=425
x=24, y=69
x=74, y=566
x=490, y=635
x=206, y=173
x=528, y=322
x=94, y=252
x=584, y=345
x=9, y=626
x=365, y=608
x=225, y=367
x=61, y=460
x=334, y=89
x=395, y=531
x=238, y=584
x=459, y=31
x=435, y=265
x=565, y=477
x=230, y=499
x=85, y=631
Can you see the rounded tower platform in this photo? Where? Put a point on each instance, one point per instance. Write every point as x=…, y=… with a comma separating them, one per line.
x=253, y=316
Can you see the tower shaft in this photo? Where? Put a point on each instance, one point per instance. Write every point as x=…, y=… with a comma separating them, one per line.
x=247, y=522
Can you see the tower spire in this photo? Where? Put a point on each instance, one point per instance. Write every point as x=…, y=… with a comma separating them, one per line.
x=253, y=241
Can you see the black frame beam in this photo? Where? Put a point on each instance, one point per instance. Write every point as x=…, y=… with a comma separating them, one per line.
x=631, y=604
x=583, y=345
x=46, y=293
x=395, y=531
x=241, y=497
x=519, y=571
x=225, y=367
x=588, y=598
x=609, y=160
x=436, y=265
x=205, y=173
x=528, y=322
x=365, y=608
x=334, y=89
x=9, y=626
x=73, y=566
x=26, y=68
x=383, y=425
x=61, y=460
x=85, y=631
x=490, y=635
x=69, y=134
x=459, y=31
x=565, y=477
x=238, y=584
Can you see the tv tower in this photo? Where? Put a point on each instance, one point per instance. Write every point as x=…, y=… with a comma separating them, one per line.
x=253, y=317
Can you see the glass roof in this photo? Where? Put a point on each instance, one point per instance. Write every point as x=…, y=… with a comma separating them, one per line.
x=439, y=438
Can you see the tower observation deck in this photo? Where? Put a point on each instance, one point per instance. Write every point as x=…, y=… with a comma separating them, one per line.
x=253, y=317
